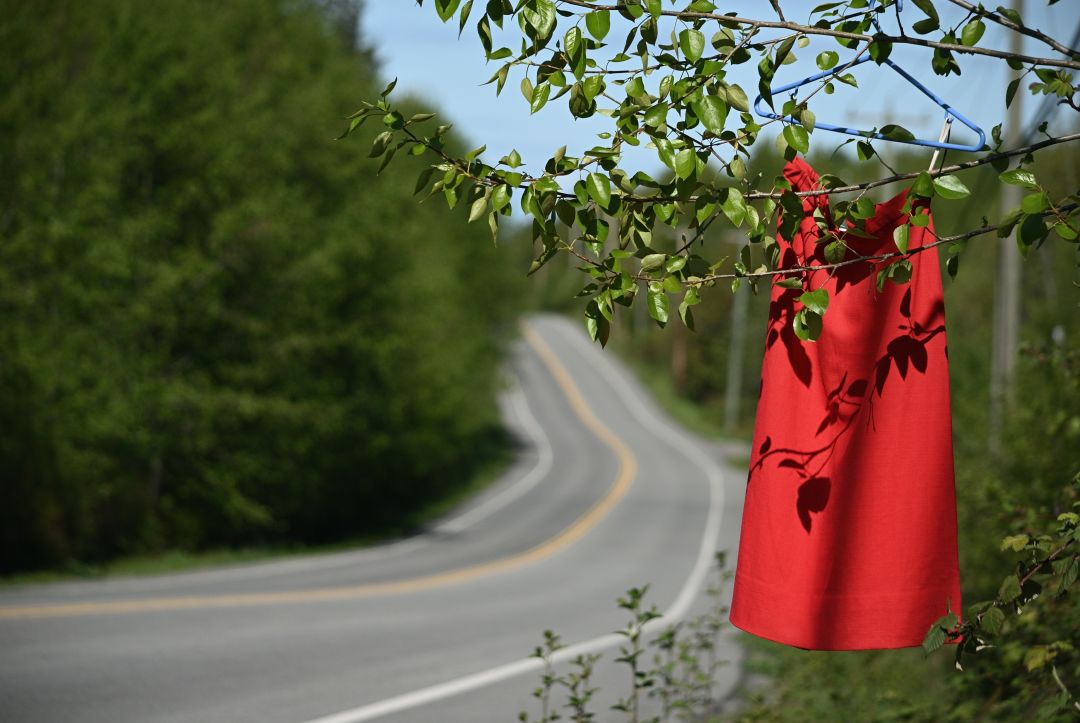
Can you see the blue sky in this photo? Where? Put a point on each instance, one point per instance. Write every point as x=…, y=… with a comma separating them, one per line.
x=432, y=64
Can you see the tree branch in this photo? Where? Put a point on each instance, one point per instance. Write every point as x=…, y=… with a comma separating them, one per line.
x=943, y=171
x=813, y=30
x=795, y=270
x=1031, y=33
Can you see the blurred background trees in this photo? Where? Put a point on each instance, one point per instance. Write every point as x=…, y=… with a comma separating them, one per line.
x=217, y=326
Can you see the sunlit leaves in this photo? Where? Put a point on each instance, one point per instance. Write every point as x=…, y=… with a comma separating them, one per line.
x=797, y=137
x=901, y=236
x=657, y=303
x=685, y=163
x=950, y=187
x=816, y=301
x=972, y=32
x=1019, y=177
x=712, y=112
x=539, y=97
x=599, y=188
x=807, y=325
x=736, y=98
x=598, y=23
x=734, y=206
x=692, y=44
x=827, y=60
x=446, y=8
x=539, y=15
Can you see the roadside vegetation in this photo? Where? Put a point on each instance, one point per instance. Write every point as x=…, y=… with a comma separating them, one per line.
x=218, y=328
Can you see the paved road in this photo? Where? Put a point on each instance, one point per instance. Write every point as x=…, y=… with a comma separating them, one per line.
x=607, y=494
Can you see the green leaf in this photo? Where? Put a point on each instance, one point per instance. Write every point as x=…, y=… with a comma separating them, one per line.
x=880, y=49
x=500, y=197
x=539, y=97
x=463, y=18
x=572, y=42
x=1010, y=589
x=817, y=301
x=598, y=22
x=950, y=187
x=1032, y=230
x=993, y=620
x=935, y=638
x=927, y=25
x=446, y=8
x=972, y=32
x=927, y=7
x=1010, y=92
x=692, y=43
x=1019, y=177
x=1035, y=202
x=900, y=238
x=658, y=306
x=478, y=208
x=864, y=150
x=599, y=188
x=807, y=325
x=1010, y=14
x=827, y=60
x=923, y=186
x=712, y=112
x=540, y=14
x=657, y=115
x=952, y=265
x=685, y=163
x=897, y=133
x=653, y=262
x=835, y=252
x=736, y=98
x=378, y=146
x=1037, y=657
x=1016, y=543
x=734, y=206
x=797, y=137
x=654, y=7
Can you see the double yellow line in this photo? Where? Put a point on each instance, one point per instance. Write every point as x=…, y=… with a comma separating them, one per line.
x=570, y=535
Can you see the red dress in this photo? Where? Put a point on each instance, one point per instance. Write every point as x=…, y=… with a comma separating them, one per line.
x=849, y=526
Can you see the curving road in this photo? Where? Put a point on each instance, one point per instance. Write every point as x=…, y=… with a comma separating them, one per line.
x=607, y=494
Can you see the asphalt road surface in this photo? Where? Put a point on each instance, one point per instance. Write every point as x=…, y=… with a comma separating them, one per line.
x=607, y=494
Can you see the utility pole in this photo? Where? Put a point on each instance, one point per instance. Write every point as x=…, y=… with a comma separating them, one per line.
x=1007, y=294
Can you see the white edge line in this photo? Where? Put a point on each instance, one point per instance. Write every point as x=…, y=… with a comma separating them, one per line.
x=545, y=458
x=675, y=612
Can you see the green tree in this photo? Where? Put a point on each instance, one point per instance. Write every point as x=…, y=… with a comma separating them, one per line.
x=217, y=328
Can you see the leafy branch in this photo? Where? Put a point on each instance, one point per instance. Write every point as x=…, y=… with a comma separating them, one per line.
x=670, y=92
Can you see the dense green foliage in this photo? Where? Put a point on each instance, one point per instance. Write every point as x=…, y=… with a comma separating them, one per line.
x=216, y=325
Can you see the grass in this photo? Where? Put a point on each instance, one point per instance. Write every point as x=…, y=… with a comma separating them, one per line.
x=871, y=685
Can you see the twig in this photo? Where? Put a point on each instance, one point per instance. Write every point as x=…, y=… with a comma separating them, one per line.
x=814, y=30
x=943, y=171
x=796, y=270
x=1031, y=33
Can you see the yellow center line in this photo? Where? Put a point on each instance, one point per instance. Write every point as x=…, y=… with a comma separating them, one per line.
x=565, y=538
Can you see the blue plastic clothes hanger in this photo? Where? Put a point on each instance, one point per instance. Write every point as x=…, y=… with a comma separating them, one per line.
x=950, y=112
